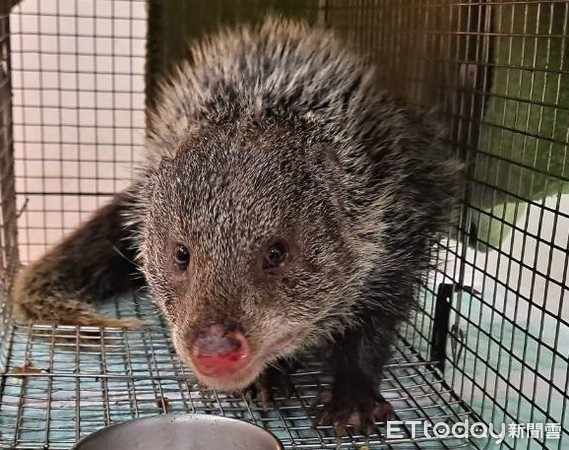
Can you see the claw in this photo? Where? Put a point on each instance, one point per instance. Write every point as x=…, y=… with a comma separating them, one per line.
x=273, y=379
x=360, y=414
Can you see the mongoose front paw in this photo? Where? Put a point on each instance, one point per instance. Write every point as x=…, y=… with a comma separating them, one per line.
x=274, y=379
x=360, y=409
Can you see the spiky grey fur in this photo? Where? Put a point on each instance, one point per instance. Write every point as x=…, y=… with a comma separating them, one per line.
x=279, y=131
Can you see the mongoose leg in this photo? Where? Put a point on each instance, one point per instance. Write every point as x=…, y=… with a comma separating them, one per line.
x=354, y=399
x=94, y=262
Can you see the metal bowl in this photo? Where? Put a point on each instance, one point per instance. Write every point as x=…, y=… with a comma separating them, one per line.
x=181, y=432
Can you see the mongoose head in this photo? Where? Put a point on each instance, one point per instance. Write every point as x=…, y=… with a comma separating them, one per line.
x=243, y=247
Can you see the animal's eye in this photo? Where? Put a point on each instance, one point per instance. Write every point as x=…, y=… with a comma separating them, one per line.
x=182, y=257
x=275, y=256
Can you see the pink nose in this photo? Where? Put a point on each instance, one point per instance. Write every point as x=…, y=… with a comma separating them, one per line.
x=218, y=352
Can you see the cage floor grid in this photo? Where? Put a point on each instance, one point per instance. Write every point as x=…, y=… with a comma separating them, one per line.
x=62, y=383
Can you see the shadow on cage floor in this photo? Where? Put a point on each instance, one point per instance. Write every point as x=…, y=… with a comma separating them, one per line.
x=61, y=383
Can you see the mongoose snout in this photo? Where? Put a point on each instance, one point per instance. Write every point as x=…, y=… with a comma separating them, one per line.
x=219, y=350
x=223, y=352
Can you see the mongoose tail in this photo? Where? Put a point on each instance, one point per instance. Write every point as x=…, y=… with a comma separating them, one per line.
x=91, y=264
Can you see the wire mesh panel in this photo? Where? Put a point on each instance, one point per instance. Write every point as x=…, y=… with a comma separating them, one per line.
x=490, y=342
x=8, y=214
x=64, y=383
x=510, y=333
x=78, y=82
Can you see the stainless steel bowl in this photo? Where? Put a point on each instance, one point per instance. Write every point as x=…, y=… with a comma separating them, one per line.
x=181, y=432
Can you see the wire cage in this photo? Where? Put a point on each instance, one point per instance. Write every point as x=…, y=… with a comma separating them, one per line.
x=490, y=343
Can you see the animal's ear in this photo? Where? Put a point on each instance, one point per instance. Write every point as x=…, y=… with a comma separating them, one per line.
x=166, y=168
x=335, y=167
x=165, y=163
x=331, y=156
x=147, y=176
